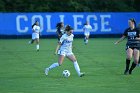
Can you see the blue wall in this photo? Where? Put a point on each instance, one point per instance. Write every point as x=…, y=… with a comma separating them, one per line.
x=102, y=23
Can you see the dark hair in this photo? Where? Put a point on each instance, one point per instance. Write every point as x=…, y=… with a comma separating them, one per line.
x=58, y=25
x=34, y=24
x=133, y=20
x=86, y=23
x=68, y=28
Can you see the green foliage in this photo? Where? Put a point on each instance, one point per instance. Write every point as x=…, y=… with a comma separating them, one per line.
x=69, y=5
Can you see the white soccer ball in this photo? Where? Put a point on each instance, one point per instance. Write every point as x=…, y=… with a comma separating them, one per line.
x=66, y=73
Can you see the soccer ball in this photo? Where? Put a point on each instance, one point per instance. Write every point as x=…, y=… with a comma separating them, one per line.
x=66, y=73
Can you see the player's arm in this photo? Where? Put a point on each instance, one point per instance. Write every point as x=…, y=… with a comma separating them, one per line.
x=90, y=28
x=138, y=38
x=59, y=44
x=57, y=48
x=33, y=29
x=121, y=39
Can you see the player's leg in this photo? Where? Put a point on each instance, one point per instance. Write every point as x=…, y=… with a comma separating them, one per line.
x=37, y=44
x=136, y=59
x=33, y=39
x=139, y=60
x=87, y=37
x=54, y=65
x=129, y=53
x=84, y=37
x=75, y=63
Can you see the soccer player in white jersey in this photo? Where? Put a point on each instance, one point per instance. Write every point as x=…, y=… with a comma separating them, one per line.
x=64, y=48
x=87, y=28
x=35, y=34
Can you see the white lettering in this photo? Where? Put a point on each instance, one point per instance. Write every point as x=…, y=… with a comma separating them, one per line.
x=18, y=23
x=89, y=17
x=40, y=20
x=76, y=22
x=105, y=23
x=61, y=18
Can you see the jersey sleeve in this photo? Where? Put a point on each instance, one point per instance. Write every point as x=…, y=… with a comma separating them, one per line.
x=125, y=33
x=138, y=32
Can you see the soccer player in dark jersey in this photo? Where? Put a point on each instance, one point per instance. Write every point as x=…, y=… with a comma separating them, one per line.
x=60, y=29
x=132, y=45
x=139, y=54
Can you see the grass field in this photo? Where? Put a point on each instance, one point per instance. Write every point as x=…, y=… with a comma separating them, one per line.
x=22, y=68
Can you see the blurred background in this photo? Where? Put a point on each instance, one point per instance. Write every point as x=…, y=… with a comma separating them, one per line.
x=22, y=67
x=105, y=16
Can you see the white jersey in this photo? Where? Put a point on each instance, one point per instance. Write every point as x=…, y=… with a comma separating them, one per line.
x=87, y=29
x=36, y=29
x=66, y=43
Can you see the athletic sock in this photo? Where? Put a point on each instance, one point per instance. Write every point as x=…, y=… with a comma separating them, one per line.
x=139, y=61
x=54, y=65
x=132, y=67
x=37, y=46
x=127, y=64
x=85, y=39
x=76, y=66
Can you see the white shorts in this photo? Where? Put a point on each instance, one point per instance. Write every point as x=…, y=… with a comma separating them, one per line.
x=65, y=52
x=87, y=33
x=35, y=36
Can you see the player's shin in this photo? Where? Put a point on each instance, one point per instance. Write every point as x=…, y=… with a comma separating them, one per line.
x=127, y=64
x=54, y=65
x=77, y=68
x=132, y=67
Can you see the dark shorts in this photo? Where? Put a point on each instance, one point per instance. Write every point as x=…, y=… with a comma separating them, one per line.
x=132, y=47
x=133, y=44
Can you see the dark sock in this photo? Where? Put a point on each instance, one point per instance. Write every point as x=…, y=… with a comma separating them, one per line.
x=139, y=61
x=84, y=39
x=132, y=67
x=32, y=41
x=127, y=64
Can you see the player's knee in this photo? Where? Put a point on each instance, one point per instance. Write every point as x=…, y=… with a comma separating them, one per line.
x=128, y=58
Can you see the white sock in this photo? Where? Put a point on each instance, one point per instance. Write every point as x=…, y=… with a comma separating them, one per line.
x=37, y=46
x=87, y=41
x=29, y=42
x=76, y=66
x=54, y=65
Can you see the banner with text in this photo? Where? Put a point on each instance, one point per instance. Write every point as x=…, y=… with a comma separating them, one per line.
x=102, y=23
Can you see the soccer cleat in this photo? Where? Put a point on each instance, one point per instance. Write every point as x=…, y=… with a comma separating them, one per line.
x=138, y=65
x=46, y=71
x=81, y=74
x=130, y=72
x=126, y=72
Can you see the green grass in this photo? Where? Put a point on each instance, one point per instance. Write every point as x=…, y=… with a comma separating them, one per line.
x=22, y=68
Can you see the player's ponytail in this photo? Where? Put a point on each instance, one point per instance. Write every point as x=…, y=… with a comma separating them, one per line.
x=58, y=25
x=34, y=24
